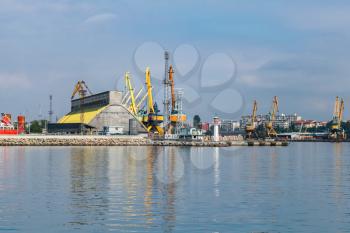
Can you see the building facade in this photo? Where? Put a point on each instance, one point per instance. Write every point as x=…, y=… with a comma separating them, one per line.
x=282, y=121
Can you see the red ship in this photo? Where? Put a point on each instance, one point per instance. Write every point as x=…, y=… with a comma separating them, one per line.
x=7, y=128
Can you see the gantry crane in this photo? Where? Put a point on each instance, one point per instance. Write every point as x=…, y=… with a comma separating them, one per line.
x=271, y=132
x=152, y=119
x=336, y=131
x=250, y=127
x=176, y=115
x=81, y=89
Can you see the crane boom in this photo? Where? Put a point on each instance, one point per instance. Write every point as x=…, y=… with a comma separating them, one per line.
x=271, y=132
x=131, y=91
x=341, y=111
x=338, y=111
x=336, y=130
x=274, y=108
x=172, y=86
x=255, y=109
x=76, y=89
x=250, y=127
x=80, y=88
x=150, y=107
x=151, y=118
x=336, y=108
x=177, y=118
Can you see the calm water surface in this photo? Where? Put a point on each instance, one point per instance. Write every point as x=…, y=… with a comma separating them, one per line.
x=301, y=188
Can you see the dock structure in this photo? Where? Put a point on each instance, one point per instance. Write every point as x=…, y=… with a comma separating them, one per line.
x=95, y=140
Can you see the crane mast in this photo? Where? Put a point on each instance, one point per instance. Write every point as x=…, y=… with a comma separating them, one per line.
x=177, y=118
x=336, y=108
x=255, y=109
x=150, y=106
x=337, y=113
x=274, y=108
x=172, y=89
x=250, y=127
x=341, y=111
x=336, y=130
x=271, y=132
x=152, y=119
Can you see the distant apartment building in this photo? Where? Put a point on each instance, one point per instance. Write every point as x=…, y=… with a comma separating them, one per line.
x=302, y=125
x=285, y=121
x=282, y=120
x=228, y=127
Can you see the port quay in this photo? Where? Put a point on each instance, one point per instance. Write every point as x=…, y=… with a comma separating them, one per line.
x=91, y=140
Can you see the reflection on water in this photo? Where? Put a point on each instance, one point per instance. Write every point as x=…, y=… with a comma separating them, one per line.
x=338, y=192
x=88, y=182
x=122, y=191
x=155, y=189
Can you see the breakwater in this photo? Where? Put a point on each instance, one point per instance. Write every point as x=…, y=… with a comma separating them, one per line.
x=79, y=140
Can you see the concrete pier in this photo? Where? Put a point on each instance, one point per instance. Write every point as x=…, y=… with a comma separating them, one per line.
x=82, y=140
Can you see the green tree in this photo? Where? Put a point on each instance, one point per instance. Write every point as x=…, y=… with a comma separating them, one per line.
x=37, y=126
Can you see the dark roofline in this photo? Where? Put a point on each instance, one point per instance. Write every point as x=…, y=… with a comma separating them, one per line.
x=92, y=95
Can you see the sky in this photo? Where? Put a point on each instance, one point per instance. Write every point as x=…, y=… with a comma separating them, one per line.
x=225, y=53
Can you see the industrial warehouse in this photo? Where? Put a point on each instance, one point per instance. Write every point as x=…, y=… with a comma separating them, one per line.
x=96, y=113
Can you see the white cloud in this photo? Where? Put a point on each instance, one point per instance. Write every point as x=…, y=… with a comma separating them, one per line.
x=14, y=81
x=253, y=80
x=16, y=6
x=101, y=18
x=302, y=73
x=333, y=18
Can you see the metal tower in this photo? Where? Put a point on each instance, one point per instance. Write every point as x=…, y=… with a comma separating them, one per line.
x=179, y=96
x=166, y=84
x=50, y=111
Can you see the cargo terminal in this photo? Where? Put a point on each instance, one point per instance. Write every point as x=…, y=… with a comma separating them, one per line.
x=96, y=113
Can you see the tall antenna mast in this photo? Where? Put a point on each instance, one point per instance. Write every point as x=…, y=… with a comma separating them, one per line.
x=50, y=111
x=166, y=90
x=40, y=115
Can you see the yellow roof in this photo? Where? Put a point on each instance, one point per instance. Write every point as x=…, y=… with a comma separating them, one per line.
x=74, y=117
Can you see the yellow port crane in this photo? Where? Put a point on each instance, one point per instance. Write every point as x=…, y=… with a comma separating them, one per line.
x=176, y=116
x=271, y=132
x=152, y=119
x=336, y=128
x=81, y=89
x=250, y=127
x=133, y=107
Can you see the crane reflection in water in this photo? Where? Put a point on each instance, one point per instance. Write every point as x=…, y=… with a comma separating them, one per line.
x=141, y=191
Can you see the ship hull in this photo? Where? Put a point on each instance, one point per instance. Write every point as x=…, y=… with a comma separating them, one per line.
x=8, y=132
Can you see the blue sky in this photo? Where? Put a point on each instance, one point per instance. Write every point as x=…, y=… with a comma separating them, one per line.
x=297, y=50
